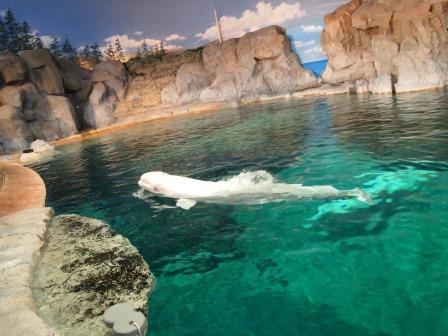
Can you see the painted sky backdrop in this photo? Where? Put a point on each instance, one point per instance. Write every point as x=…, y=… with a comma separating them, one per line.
x=180, y=23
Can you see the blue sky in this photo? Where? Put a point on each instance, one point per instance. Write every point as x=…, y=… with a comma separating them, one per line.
x=180, y=23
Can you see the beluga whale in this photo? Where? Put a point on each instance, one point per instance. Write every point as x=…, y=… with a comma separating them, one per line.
x=257, y=187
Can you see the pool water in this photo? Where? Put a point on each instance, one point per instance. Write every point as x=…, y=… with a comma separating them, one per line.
x=316, y=267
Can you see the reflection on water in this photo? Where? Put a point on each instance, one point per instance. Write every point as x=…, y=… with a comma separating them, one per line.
x=289, y=268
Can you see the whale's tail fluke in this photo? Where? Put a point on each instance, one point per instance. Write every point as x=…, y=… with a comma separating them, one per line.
x=361, y=196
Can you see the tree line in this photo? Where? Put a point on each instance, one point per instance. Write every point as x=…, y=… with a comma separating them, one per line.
x=17, y=36
x=147, y=53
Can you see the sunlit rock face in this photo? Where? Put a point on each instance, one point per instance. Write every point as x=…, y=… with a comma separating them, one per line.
x=260, y=63
x=406, y=39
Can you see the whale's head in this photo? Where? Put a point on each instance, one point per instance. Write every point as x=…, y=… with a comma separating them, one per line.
x=153, y=182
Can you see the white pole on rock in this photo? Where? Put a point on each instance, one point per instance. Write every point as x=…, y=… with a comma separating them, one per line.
x=218, y=25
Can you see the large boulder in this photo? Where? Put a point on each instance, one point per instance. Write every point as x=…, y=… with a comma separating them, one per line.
x=14, y=131
x=52, y=119
x=74, y=77
x=403, y=39
x=191, y=79
x=43, y=71
x=78, y=86
x=99, y=112
x=12, y=69
x=259, y=63
x=12, y=95
x=113, y=74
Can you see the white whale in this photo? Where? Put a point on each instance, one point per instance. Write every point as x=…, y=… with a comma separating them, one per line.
x=247, y=188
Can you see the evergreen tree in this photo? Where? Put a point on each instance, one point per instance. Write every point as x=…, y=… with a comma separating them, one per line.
x=162, y=49
x=138, y=54
x=3, y=35
x=119, y=51
x=26, y=37
x=68, y=51
x=95, y=53
x=110, y=53
x=145, y=50
x=85, y=52
x=12, y=29
x=37, y=42
x=55, y=47
x=155, y=50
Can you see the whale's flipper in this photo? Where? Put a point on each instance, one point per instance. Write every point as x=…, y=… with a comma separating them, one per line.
x=362, y=196
x=185, y=204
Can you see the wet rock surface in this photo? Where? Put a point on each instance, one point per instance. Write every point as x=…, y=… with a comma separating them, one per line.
x=84, y=268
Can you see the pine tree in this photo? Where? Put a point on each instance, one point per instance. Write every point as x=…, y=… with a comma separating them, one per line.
x=138, y=54
x=162, y=48
x=55, y=47
x=119, y=51
x=68, y=51
x=3, y=35
x=95, y=53
x=155, y=51
x=37, y=42
x=145, y=51
x=12, y=29
x=110, y=53
x=85, y=52
x=26, y=37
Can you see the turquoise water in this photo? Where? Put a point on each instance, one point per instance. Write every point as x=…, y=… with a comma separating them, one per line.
x=317, y=67
x=293, y=267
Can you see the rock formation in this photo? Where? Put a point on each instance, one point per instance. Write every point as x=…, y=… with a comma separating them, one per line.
x=400, y=41
x=41, y=98
x=110, y=80
x=257, y=64
x=84, y=268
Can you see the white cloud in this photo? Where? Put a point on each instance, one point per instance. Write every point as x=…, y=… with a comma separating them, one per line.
x=311, y=29
x=312, y=54
x=175, y=37
x=301, y=44
x=130, y=44
x=264, y=15
x=138, y=32
x=46, y=40
x=313, y=50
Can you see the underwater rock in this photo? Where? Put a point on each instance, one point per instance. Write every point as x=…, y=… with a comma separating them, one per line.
x=405, y=39
x=84, y=268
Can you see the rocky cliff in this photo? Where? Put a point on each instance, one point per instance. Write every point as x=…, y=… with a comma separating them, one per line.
x=389, y=45
x=48, y=99
x=260, y=63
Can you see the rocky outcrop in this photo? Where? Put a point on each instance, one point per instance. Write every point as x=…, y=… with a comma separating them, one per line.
x=375, y=40
x=12, y=69
x=43, y=71
x=111, y=81
x=84, y=268
x=41, y=98
x=14, y=131
x=260, y=63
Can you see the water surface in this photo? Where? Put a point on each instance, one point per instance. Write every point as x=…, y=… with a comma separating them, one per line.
x=288, y=268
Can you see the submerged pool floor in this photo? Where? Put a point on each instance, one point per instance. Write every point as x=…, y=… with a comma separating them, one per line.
x=286, y=268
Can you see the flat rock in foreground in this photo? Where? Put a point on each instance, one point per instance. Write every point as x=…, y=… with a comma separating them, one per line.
x=84, y=268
